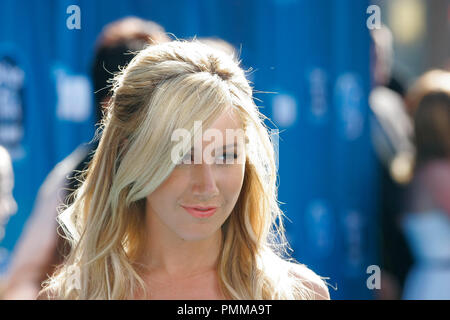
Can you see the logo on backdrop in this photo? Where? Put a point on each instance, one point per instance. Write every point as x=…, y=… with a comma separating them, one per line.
x=73, y=95
x=348, y=95
x=319, y=228
x=284, y=109
x=12, y=78
x=317, y=94
x=355, y=230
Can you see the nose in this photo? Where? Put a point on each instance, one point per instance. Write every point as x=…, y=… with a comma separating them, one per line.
x=204, y=184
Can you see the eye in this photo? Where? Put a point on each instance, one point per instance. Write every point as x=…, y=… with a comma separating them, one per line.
x=228, y=157
x=223, y=159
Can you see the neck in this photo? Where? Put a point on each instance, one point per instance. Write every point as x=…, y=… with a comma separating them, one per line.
x=166, y=254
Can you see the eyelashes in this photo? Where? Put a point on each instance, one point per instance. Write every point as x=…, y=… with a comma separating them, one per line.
x=188, y=158
x=230, y=155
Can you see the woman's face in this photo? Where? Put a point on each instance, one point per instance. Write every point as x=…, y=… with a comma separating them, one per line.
x=205, y=183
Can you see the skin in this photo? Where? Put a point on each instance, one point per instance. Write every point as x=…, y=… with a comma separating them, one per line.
x=181, y=250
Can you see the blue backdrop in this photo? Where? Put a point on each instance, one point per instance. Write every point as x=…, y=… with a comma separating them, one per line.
x=313, y=54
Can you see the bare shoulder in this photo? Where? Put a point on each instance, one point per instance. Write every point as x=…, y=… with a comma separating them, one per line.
x=311, y=280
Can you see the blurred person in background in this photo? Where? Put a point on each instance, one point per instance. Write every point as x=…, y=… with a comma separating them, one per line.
x=8, y=205
x=391, y=133
x=431, y=81
x=41, y=247
x=426, y=219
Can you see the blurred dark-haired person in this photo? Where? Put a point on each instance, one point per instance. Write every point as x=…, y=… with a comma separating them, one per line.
x=41, y=248
x=391, y=133
x=426, y=219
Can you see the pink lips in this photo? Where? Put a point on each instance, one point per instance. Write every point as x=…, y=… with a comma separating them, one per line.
x=200, y=212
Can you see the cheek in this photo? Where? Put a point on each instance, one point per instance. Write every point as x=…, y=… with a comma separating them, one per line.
x=232, y=184
x=164, y=198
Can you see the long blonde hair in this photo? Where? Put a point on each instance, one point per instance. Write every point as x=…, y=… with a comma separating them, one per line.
x=169, y=86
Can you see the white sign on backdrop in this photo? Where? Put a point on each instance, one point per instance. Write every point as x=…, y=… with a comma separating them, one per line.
x=74, y=96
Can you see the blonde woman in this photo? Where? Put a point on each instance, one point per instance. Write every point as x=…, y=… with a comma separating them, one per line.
x=167, y=212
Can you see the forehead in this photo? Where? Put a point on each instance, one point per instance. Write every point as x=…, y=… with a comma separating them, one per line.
x=227, y=129
x=229, y=119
